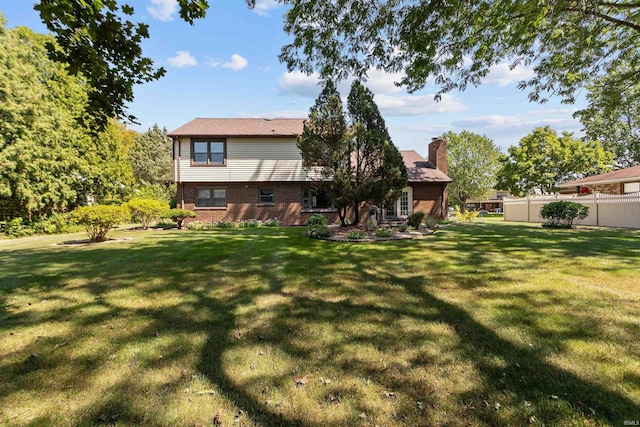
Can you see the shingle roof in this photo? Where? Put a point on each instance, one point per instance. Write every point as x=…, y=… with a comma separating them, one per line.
x=239, y=127
x=622, y=175
x=420, y=170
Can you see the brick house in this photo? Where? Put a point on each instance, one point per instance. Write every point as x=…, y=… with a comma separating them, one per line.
x=622, y=181
x=238, y=169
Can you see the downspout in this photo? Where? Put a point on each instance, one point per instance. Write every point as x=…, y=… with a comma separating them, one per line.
x=178, y=173
x=443, y=203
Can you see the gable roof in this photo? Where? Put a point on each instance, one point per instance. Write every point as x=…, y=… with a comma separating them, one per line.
x=420, y=170
x=622, y=175
x=239, y=127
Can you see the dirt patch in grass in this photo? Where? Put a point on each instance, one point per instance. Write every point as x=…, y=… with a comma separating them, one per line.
x=341, y=234
x=91, y=242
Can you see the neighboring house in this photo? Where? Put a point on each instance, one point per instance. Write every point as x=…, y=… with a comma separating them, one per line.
x=623, y=181
x=239, y=169
x=493, y=203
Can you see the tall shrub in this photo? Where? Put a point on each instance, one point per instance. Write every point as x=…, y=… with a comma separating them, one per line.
x=562, y=214
x=147, y=211
x=98, y=220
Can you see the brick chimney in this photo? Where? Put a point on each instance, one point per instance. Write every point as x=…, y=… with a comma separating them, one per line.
x=438, y=154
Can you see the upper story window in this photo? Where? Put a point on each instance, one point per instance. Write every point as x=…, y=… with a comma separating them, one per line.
x=209, y=152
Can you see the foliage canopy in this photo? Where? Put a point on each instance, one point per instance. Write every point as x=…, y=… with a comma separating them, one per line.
x=473, y=161
x=543, y=160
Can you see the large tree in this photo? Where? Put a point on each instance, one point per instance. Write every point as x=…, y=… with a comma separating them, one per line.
x=97, y=39
x=49, y=162
x=473, y=161
x=614, y=119
x=356, y=160
x=379, y=173
x=457, y=42
x=543, y=160
x=326, y=148
x=150, y=157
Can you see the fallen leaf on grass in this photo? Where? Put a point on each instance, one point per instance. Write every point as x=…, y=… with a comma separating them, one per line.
x=388, y=395
x=217, y=420
x=300, y=381
x=333, y=398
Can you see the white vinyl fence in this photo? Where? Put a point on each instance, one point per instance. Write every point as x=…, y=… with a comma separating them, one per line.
x=604, y=209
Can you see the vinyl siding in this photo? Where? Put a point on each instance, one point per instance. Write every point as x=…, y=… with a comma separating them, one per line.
x=248, y=159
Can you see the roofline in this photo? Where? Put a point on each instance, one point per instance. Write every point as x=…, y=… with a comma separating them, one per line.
x=225, y=135
x=604, y=181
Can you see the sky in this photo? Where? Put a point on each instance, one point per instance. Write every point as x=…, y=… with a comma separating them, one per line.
x=226, y=65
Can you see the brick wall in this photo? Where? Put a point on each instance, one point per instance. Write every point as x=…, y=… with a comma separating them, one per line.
x=427, y=198
x=243, y=203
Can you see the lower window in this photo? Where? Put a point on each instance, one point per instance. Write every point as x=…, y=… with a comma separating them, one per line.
x=211, y=198
x=266, y=196
x=313, y=198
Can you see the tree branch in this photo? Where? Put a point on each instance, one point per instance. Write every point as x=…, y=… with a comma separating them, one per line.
x=611, y=19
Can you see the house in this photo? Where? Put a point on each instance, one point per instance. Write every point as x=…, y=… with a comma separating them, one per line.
x=492, y=203
x=623, y=181
x=238, y=169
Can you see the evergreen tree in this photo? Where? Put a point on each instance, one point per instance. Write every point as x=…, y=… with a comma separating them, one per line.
x=50, y=162
x=326, y=150
x=379, y=173
x=150, y=157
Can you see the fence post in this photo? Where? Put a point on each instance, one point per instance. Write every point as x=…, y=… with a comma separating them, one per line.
x=595, y=199
x=528, y=208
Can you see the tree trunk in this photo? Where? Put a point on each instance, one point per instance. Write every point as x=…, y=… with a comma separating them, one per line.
x=356, y=213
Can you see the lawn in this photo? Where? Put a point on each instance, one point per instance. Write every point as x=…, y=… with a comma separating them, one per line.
x=488, y=323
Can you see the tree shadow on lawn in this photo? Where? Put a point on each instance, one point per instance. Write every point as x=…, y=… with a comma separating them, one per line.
x=340, y=287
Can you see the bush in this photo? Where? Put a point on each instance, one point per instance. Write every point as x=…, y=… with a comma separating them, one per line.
x=562, y=213
x=97, y=220
x=15, y=228
x=196, y=225
x=317, y=219
x=415, y=219
x=225, y=224
x=250, y=223
x=431, y=222
x=384, y=232
x=355, y=234
x=466, y=216
x=178, y=215
x=147, y=211
x=271, y=223
x=318, y=231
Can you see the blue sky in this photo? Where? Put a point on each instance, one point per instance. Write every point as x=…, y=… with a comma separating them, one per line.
x=227, y=66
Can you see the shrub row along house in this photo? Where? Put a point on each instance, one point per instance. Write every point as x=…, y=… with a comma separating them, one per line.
x=240, y=169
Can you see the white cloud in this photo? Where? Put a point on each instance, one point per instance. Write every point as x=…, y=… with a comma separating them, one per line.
x=163, y=10
x=237, y=63
x=263, y=7
x=299, y=84
x=182, y=59
x=212, y=63
x=382, y=83
x=414, y=105
x=504, y=124
x=502, y=75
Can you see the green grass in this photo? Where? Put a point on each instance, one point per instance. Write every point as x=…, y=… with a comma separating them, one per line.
x=487, y=323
